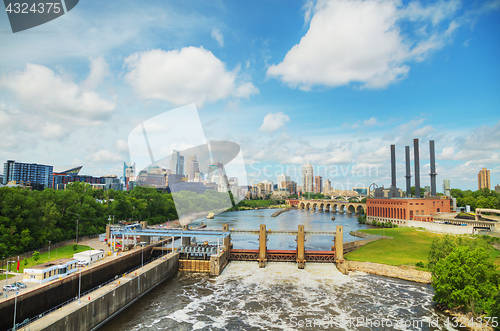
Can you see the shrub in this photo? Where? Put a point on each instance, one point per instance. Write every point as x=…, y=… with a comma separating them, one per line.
x=420, y=264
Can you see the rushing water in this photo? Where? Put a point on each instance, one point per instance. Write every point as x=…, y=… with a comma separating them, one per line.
x=280, y=296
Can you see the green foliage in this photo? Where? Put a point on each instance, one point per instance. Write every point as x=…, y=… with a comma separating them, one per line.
x=25, y=262
x=483, y=198
x=466, y=278
x=28, y=219
x=75, y=247
x=495, y=309
x=362, y=219
x=442, y=247
x=36, y=256
x=313, y=196
x=420, y=264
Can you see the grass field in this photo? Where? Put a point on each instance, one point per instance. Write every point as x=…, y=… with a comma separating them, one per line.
x=2, y=277
x=58, y=253
x=409, y=246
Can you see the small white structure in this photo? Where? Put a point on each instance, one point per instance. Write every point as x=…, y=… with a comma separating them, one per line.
x=52, y=270
x=89, y=256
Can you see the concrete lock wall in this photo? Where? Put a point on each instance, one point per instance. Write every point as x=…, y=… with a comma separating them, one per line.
x=114, y=299
x=59, y=291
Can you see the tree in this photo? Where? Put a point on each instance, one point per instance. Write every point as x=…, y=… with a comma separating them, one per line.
x=36, y=256
x=466, y=278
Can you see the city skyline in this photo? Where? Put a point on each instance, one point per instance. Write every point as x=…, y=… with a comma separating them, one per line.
x=436, y=76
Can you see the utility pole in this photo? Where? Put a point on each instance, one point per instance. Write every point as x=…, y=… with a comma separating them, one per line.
x=48, y=260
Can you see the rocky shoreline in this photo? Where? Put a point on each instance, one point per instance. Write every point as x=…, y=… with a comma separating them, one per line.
x=391, y=271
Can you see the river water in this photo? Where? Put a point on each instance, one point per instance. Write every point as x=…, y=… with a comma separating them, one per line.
x=280, y=296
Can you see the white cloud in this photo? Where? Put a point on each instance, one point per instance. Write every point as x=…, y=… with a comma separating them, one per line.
x=217, y=35
x=103, y=156
x=274, y=121
x=40, y=91
x=99, y=70
x=361, y=42
x=122, y=146
x=189, y=75
x=371, y=121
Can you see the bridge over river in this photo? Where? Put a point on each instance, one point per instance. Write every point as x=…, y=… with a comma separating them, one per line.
x=329, y=205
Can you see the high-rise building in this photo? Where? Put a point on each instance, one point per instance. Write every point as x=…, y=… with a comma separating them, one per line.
x=177, y=163
x=128, y=169
x=327, y=187
x=318, y=184
x=282, y=179
x=483, y=179
x=192, y=167
x=446, y=187
x=215, y=168
x=308, y=178
x=291, y=186
x=37, y=176
x=497, y=188
x=267, y=186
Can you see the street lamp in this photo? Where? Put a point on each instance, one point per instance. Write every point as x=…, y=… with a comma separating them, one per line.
x=142, y=257
x=48, y=260
x=7, y=276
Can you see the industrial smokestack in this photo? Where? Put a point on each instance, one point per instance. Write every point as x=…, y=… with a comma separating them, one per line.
x=408, y=176
x=417, y=168
x=433, y=168
x=393, y=165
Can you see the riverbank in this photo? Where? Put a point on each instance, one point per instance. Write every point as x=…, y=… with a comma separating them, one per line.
x=401, y=272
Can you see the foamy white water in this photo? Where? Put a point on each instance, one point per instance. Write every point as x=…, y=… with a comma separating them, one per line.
x=283, y=297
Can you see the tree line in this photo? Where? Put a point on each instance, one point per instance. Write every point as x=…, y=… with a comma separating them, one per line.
x=483, y=198
x=29, y=219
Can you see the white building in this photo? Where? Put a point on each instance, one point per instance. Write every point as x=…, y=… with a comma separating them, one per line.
x=308, y=178
x=89, y=256
x=52, y=270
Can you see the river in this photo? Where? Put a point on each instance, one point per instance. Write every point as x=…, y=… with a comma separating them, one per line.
x=280, y=296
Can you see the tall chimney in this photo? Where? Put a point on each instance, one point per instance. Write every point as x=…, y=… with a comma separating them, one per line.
x=393, y=165
x=433, y=167
x=417, y=168
x=408, y=176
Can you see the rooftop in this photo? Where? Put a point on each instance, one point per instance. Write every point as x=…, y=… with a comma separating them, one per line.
x=51, y=264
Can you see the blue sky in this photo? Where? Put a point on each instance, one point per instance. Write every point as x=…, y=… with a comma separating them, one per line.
x=332, y=83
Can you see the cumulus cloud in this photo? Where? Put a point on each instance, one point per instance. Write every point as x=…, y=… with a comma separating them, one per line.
x=99, y=69
x=217, y=35
x=40, y=91
x=274, y=121
x=361, y=42
x=189, y=75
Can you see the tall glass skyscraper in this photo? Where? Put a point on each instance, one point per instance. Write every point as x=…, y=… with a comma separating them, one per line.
x=38, y=176
x=308, y=178
x=177, y=163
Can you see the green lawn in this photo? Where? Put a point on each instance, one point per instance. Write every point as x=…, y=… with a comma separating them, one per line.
x=58, y=253
x=2, y=277
x=409, y=246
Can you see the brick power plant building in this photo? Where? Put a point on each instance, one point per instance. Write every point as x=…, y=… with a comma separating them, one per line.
x=394, y=205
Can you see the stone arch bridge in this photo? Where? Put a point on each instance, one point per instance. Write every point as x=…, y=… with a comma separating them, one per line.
x=328, y=205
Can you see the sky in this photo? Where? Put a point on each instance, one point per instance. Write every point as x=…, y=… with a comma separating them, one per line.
x=330, y=83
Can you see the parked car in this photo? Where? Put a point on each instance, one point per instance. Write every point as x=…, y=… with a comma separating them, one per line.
x=20, y=285
x=82, y=263
x=10, y=288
